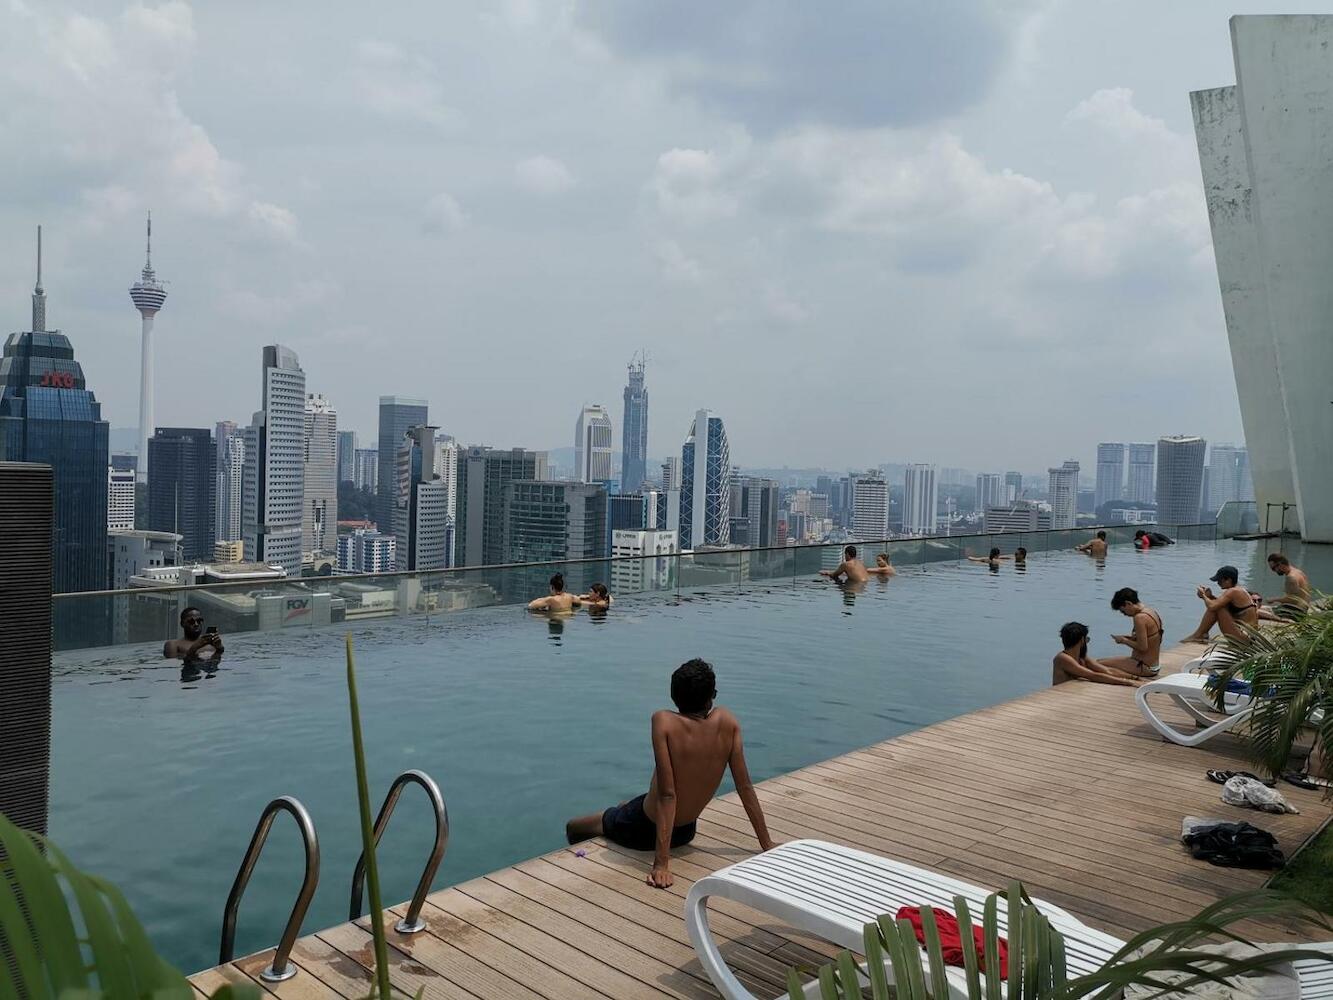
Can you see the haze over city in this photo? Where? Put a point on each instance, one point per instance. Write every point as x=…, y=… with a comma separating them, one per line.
x=1000, y=263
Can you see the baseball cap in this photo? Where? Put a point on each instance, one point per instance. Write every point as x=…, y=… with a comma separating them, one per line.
x=1229, y=572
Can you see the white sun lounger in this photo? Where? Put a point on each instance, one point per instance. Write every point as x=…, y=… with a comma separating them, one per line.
x=833, y=892
x=1189, y=692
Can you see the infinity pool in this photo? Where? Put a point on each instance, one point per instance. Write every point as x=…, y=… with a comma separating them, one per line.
x=157, y=783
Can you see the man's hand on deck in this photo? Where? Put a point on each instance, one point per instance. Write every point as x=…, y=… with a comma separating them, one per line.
x=661, y=876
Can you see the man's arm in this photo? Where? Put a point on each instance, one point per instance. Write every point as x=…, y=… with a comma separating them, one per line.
x=664, y=780
x=539, y=604
x=740, y=775
x=833, y=574
x=1100, y=674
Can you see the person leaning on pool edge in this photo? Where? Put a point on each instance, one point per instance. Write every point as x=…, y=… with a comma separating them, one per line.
x=1073, y=663
x=850, y=570
x=559, y=600
x=692, y=747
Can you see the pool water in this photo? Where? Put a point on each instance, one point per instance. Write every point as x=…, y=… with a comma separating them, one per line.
x=157, y=782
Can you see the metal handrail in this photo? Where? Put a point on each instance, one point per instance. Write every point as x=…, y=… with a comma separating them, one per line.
x=411, y=923
x=280, y=968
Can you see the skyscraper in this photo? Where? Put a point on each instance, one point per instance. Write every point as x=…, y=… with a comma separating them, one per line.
x=273, y=480
x=421, y=518
x=148, y=297
x=754, y=502
x=634, y=429
x=319, y=506
x=230, y=443
x=705, y=483
x=483, y=474
x=182, y=486
x=119, y=499
x=1179, y=479
x=592, y=445
x=1063, y=491
x=347, y=456
x=49, y=415
x=446, y=468
x=1110, y=473
x=552, y=522
x=1140, y=488
x=1013, y=486
x=367, y=469
x=870, y=506
x=1228, y=477
x=920, y=499
x=398, y=415
x=991, y=491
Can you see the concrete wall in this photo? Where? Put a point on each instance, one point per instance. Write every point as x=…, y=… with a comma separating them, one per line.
x=1242, y=277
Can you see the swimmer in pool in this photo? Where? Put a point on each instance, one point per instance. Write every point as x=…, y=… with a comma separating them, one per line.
x=597, y=598
x=559, y=599
x=850, y=570
x=994, y=559
x=882, y=566
x=195, y=641
x=692, y=748
x=1097, y=547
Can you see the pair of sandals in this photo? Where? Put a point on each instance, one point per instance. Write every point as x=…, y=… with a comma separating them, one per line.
x=1222, y=777
x=1297, y=778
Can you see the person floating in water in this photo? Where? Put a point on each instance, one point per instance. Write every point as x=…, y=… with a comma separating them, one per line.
x=1295, y=584
x=1096, y=547
x=598, y=598
x=882, y=566
x=559, y=600
x=692, y=747
x=1073, y=663
x=195, y=640
x=1232, y=611
x=994, y=559
x=1145, y=640
x=850, y=570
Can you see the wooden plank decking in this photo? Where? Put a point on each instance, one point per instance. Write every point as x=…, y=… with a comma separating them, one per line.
x=1066, y=789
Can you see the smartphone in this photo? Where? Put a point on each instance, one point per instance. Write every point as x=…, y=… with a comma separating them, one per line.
x=212, y=630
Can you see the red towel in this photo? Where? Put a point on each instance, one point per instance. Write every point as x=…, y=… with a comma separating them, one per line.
x=951, y=941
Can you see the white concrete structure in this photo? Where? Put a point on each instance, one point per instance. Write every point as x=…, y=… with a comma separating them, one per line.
x=592, y=445
x=133, y=552
x=870, y=506
x=148, y=297
x=230, y=441
x=446, y=469
x=634, y=574
x=919, y=500
x=273, y=477
x=319, y=505
x=1110, y=473
x=1141, y=487
x=1021, y=515
x=1179, y=479
x=991, y=491
x=1063, y=493
x=366, y=551
x=1264, y=147
x=421, y=517
x=119, y=499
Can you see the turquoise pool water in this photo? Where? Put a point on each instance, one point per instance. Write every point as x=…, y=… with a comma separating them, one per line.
x=157, y=783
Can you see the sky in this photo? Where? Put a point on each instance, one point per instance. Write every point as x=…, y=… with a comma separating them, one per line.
x=964, y=233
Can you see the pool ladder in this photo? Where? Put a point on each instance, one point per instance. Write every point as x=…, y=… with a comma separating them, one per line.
x=281, y=968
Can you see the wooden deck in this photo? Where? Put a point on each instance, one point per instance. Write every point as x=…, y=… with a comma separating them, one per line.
x=1066, y=789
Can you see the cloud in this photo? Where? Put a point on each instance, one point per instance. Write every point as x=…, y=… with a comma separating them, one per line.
x=687, y=185
x=543, y=175
x=442, y=215
x=778, y=64
x=675, y=264
x=396, y=84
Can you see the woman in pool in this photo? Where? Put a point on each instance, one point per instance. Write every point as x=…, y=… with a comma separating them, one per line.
x=559, y=600
x=598, y=598
x=994, y=559
x=882, y=566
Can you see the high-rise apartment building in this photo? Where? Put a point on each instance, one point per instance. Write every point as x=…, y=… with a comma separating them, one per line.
x=49, y=416
x=645, y=560
x=870, y=506
x=1063, y=493
x=483, y=475
x=1013, y=486
x=319, y=506
x=991, y=491
x=346, y=456
x=148, y=296
x=446, y=470
x=920, y=499
x=592, y=445
x=367, y=469
x=1228, y=477
x=754, y=508
x=634, y=430
x=554, y=521
x=229, y=441
x=365, y=551
x=182, y=484
x=273, y=477
x=1016, y=515
x=1141, y=486
x=1110, y=473
x=421, y=516
x=1179, y=479
x=119, y=499
x=705, y=483
x=398, y=415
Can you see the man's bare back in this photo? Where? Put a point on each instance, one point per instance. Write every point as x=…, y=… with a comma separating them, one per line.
x=699, y=751
x=850, y=570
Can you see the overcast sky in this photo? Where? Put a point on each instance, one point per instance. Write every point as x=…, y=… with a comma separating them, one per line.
x=964, y=233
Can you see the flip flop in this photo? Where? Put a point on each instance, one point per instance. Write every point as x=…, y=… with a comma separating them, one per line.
x=1222, y=777
x=1305, y=781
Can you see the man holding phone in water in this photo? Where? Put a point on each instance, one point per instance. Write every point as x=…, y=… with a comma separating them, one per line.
x=195, y=640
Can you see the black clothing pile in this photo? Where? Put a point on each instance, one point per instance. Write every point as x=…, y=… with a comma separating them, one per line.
x=1234, y=845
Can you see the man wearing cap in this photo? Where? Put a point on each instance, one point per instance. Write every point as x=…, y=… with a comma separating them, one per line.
x=1229, y=610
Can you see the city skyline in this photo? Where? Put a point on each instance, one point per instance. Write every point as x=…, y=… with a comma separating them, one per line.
x=649, y=236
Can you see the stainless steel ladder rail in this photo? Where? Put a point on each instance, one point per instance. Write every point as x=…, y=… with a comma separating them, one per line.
x=281, y=968
x=412, y=923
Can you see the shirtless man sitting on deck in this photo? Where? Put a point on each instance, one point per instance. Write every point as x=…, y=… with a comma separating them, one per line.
x=1295, y=584
x=692, y=747
x=850, y=570
x=1074, y=664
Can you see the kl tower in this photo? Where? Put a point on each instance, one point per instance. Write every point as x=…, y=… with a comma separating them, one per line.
x=148, y=295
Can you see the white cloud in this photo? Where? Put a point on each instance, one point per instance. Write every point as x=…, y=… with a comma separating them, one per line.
x=687, y=186
x=442, y=215
x=397, y=84
x=675, y=264
x=273, y=220
x=543, y=175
